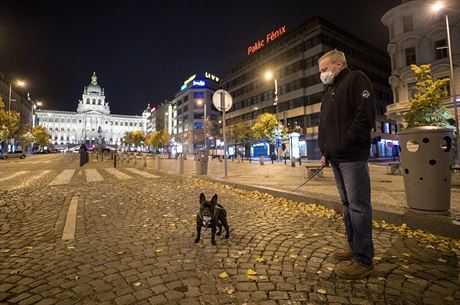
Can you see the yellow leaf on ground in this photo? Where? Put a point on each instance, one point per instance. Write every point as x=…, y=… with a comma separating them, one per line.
x=260, y=260
x=251, y=272
x=223, y=275
x=406, y=254
x=321, y=290
x=158, y=251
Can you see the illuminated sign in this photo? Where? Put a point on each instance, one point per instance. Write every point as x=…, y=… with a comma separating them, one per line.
x=199, y=83
x=268, y=38
x=190, y=79
x=211, y=77
x=187, y=81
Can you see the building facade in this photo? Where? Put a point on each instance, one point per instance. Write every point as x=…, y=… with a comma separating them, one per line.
x=92, y=123
x=189, y=115
x=418, y=36
x=292, y=56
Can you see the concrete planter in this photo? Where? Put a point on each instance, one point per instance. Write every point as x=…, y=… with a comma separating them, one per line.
x=426, y=160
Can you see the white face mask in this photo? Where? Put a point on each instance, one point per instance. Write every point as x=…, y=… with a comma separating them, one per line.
x=328, y=76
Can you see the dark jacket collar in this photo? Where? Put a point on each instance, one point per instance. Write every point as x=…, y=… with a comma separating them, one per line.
x=341, y=74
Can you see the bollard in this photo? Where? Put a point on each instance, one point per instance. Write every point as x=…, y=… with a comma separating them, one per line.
x=102, y=157
x=157, y=163
x=135, y=159
x=292, y=162
x=144, y=158
x=180, y=165
x=300, y=160
x=261, y=160
x=114, y=160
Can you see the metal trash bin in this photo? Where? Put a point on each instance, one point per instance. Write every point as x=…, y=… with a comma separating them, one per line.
x=201, y=162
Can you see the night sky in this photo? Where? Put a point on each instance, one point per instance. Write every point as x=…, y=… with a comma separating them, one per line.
x=142, y=51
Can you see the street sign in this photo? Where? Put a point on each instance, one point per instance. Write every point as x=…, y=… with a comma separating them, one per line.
x=216, y=100
x=278, y=142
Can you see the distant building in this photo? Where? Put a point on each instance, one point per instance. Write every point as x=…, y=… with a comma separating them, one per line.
x=92, y=123
x=185, y=116
x=20, y=102
x=418, y=36
x=292, y=56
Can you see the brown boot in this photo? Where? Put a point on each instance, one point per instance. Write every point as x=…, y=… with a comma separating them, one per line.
x=343, y=254
x=354, y=270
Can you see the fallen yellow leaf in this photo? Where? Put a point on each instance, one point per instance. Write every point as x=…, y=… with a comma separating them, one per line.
x=251, y=272
x=260, y=260
x=223, y=275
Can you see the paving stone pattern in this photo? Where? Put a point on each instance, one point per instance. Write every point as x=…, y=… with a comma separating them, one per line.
x=134, y=245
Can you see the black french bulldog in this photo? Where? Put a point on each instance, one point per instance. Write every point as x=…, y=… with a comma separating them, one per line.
x=211, y=214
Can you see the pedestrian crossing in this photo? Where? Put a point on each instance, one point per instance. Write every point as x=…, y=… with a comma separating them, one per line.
x=22, y=179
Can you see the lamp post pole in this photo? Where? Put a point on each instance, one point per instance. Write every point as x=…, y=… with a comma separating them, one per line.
x=276, y=98
x=453, y=93
x=9, y=99
x=204, y=121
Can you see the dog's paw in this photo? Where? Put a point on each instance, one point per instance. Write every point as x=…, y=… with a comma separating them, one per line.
x=227, y=236
x=197, y=240
x=214, y=243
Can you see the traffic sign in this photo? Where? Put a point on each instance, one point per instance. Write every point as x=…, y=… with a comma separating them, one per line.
x=217, y=100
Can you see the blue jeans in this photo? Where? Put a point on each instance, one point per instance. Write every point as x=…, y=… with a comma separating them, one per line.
x=353, y=183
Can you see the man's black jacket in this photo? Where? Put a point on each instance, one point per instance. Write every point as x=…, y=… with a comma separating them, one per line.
x=347, y=117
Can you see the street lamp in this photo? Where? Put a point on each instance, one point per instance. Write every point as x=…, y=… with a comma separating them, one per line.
x=269, y=76
x=19, y=83
x=436, y=7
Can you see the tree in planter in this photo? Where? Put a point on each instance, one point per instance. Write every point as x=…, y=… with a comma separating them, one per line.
x=240, y=134
x=426, y=107
x=425, y=144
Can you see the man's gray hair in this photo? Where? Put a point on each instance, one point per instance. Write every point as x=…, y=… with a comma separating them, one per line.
x=335, y=56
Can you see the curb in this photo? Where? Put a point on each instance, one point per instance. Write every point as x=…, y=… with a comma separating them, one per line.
x=441, y=225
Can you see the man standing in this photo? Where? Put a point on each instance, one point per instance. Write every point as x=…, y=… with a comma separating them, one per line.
x=346, y=119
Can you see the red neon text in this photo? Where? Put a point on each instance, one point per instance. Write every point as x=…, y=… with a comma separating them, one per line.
x=269, y=37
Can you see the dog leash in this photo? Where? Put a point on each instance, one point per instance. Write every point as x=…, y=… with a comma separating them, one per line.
x=313, y=176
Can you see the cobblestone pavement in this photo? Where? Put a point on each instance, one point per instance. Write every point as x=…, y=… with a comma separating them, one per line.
x=134, y=245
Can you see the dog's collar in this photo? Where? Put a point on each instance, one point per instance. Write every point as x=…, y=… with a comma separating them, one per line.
x=204, y=222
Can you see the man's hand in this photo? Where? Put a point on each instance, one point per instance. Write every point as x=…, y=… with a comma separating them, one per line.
x=324, y=161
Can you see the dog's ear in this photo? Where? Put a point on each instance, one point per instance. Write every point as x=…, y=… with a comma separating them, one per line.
x=214, y=199
x=202, y=198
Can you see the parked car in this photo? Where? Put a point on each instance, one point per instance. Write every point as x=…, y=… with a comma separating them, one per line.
x=16, y=154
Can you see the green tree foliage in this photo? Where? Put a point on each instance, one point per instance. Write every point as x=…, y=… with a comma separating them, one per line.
x=239, y=133
x=267, y=128
x=9, y=123
x=41, y=136
x=137, y=137
x=157, y=139
x=26, y=138
x=127, y=138
x=426, y=107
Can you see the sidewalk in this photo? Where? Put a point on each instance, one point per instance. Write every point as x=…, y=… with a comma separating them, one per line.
x=388, y=195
